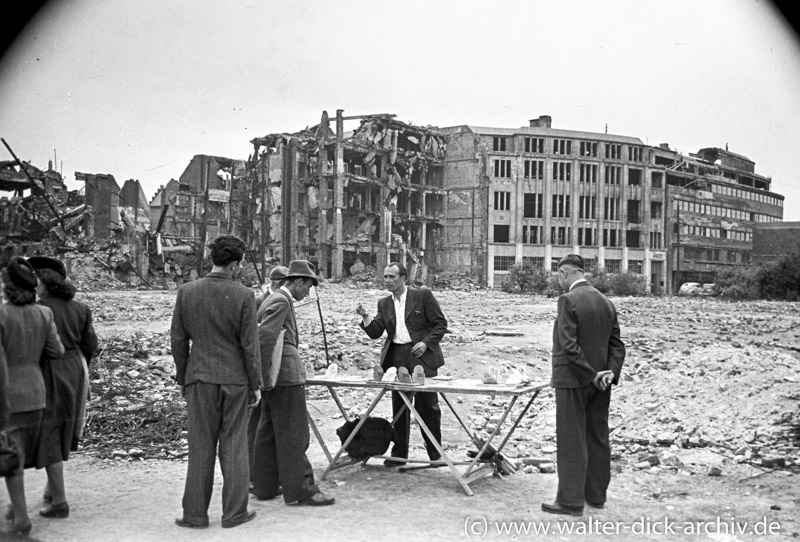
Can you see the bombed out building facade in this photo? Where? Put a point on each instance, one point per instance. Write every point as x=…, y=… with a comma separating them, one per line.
x=361, y=196
x=353, y=191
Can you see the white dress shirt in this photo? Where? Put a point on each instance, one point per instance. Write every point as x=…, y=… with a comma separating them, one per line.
x=401, y=335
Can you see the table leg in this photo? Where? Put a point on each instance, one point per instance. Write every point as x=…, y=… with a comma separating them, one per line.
x=436, y=444
x=338, y=403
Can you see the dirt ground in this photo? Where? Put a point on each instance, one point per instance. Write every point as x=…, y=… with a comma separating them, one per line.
x=708, y=384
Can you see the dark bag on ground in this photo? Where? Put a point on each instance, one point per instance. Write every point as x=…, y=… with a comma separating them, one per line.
x=373, y=438
x=9, y=460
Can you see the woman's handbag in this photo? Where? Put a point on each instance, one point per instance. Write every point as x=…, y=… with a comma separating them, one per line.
x=9, y=460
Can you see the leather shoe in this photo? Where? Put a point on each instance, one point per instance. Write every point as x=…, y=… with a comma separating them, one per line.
x=231, y=523
x=22, y=527
x=558, y=508
x=180, y=522
x=60, y=510
x=317, y=499
x=598, y=505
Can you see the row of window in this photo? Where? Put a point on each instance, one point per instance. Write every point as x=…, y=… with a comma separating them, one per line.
x=702, y=254
x=714, y=233
x=718, y=210
x=562, y=235
x=562, y=171
x=536, y=145
x=561, y=206
x=504, y=263
x=746, y=194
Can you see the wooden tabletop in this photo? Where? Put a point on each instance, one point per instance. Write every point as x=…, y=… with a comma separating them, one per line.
x=436, y=384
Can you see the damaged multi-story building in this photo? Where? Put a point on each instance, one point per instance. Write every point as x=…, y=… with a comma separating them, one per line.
x=364, y=196
x=536, y=193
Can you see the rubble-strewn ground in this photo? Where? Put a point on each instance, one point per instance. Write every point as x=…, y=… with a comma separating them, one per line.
x=705, y=424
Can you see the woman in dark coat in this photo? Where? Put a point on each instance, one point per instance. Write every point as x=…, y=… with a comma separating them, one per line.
x=27, y=331
x=66, y=379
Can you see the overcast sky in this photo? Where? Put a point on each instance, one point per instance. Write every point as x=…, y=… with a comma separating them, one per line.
x=135, y=88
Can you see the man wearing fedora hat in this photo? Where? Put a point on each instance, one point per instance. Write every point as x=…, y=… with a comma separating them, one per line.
x=280, y=463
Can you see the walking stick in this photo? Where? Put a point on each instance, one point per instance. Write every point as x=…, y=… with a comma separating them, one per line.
x=324, y=336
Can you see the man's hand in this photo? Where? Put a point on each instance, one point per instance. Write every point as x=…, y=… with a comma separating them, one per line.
x=603, y=380
x=361, y=311
x=255, y=398
x=419, y=349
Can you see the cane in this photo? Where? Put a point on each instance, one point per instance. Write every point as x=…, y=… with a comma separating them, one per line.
x=324, y=336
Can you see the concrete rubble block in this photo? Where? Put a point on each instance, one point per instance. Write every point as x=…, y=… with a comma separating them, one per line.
x=714, y=471
x=536, y=461
x=547, y=468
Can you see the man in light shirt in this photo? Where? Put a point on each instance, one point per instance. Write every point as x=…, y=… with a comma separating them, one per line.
x=414, y=325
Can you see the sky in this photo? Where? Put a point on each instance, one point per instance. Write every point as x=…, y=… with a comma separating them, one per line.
x=136, y=88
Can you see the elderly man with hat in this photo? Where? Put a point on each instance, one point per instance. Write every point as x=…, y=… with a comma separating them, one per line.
x=276, y=277
x=280, y=464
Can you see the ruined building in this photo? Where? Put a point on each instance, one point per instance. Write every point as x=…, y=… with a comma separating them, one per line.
x=536, y=193
x=340, y=198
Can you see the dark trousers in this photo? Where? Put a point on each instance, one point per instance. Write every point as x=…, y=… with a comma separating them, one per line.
x=584, y=454
x=217, y=415
x=426, y=403
x=281, y=444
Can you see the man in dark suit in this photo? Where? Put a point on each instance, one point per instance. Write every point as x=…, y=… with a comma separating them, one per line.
x=414, y=325
x=280, y=463
x=587, y=359
x=218, y=363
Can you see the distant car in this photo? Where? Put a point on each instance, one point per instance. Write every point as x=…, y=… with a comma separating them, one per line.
x=695, y=288
x=690, y=288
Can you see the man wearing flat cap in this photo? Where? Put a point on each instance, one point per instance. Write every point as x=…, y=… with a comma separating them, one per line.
x=280, y=464
x=276, y=277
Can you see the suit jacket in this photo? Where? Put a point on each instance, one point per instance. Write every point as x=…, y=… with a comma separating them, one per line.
x=425, y=323
x=277, y=313
x=217, y=317
x=27, y=332
x=5, y=408
x=585, y=338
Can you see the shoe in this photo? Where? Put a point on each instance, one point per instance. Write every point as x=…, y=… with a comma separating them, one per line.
x=233, y=523
x=557, y=508
x=276, y=494
x=180, y=522
x=22, y=527
x=60, y=510
x=393, y=463
x=598, y=505
x=317, y=499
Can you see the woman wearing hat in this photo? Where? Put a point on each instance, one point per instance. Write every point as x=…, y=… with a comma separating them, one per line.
x=66, y=379
x=27, y=330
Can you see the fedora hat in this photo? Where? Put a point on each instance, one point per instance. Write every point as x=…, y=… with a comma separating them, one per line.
x=302, y=269
x=278, y=273
x=21, y=274
x=44, y=262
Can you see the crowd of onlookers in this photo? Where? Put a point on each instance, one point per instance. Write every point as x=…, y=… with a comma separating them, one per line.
x=46, y=343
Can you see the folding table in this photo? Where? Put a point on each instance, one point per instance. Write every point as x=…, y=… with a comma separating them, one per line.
x=477, y=468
